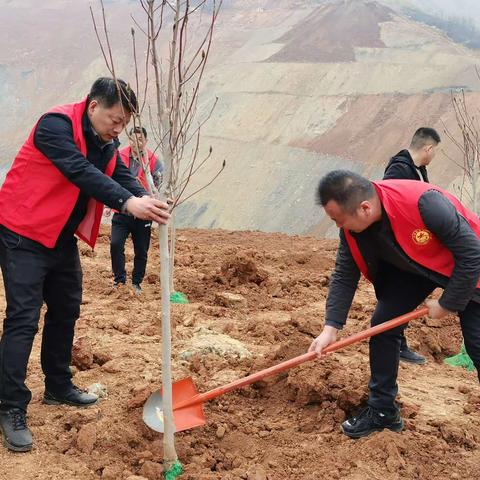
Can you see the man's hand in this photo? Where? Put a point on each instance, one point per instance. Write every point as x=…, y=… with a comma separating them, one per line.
x=148, y=208
x=435, y=310
x=327, y=337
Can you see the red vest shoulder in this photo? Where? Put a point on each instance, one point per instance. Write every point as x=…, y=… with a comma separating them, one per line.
x=36, y=199
x=400, y=200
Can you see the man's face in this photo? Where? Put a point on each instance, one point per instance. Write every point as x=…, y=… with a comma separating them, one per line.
x=356, y=222
x=137, y=140
x=429, y=153
x=108, y=122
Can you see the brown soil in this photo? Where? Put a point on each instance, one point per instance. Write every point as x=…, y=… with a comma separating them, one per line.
x=286, y=427
x=330, y=35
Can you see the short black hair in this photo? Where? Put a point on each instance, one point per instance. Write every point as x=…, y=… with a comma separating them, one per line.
x=424, y=136
x=138, y=130
x=106, y=92
x=348, y=189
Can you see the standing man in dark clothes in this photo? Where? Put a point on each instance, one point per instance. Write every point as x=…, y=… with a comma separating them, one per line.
x=411, y=164
x=125, y=225
x=61, y=177
x=406, y=237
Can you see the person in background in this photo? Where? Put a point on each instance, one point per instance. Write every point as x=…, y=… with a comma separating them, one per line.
x=411, y=164
x=124, y=225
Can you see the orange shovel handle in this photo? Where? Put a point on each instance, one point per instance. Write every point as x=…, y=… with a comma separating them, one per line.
x=293, y=362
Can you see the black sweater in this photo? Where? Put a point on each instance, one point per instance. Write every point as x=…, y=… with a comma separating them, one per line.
x=54, y=138
x=401, y=167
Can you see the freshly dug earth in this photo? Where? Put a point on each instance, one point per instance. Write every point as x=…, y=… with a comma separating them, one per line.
x=256, y=299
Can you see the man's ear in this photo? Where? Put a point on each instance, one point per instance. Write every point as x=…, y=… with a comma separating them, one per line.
x=92, y=105
x=365, y=206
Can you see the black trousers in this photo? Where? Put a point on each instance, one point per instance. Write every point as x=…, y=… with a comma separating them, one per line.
x=33, y=274
x=122, y=227
x=399, y=292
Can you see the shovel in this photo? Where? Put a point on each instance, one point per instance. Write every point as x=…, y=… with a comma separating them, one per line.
x=188, y=403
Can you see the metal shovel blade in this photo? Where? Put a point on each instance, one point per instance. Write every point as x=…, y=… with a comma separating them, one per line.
x=184, y=418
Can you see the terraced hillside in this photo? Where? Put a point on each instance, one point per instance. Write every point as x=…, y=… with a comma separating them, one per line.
x=303, y=87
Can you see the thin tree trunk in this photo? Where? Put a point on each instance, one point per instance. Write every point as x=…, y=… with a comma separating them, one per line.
x=169, y=453
x=173, y=123
x=474, y=186
x=173, y=235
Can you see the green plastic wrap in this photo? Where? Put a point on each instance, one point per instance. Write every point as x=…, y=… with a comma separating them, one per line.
x=178, y=297
x=174, y=472
x=461, y=360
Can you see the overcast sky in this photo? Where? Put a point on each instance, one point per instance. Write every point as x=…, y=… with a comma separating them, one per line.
x=454, y=8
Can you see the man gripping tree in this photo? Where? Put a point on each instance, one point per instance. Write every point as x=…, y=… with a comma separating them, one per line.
x=55, y=189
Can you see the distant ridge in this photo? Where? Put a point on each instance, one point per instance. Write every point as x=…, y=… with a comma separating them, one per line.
x=332, y=32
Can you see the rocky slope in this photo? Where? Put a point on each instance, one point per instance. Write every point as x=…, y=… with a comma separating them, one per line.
x=303, y=87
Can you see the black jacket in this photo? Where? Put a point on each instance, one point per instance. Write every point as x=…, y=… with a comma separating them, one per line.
x=54, y=138
x=378, y=245
x=401, y=167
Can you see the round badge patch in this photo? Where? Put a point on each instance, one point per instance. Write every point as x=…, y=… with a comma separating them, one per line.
x=421, y=236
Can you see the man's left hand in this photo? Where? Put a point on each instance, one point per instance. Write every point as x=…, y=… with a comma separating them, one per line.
x=435, y=310
x=148, y=208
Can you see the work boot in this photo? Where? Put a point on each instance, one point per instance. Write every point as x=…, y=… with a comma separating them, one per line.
x=371, y=420
x=16, y=435
x=137, y=288
x=408, y=355
x=74, y=396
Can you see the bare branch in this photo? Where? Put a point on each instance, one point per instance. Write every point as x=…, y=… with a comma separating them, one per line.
x=100, y=43
x=105, y=29
x=200, y=75
x=469, y=145
x=160, y=25
x=137, y=83
x=205, y=186
x=139, y=26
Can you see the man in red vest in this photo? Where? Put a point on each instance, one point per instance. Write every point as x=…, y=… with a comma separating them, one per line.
x=125, y=225
x=407, y=237
x=55, y=189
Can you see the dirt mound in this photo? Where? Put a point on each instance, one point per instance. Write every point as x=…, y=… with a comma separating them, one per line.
x=332, y=32
x=285, y=426
x=242, y=269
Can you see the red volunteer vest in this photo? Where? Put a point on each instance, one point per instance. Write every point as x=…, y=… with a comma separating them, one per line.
x=36, y=199
x=400, y=201
x=125, y=155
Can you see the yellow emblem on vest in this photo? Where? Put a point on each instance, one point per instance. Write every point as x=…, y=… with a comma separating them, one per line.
x=421, y=236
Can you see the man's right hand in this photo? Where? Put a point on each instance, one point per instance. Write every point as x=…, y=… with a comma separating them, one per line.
x=148, y=208
x=327, y=337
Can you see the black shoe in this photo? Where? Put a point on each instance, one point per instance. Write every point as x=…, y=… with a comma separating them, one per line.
x=371, y=420
x=16, y=435
x=75, y=397
x=407, y=355
x=137, y=287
